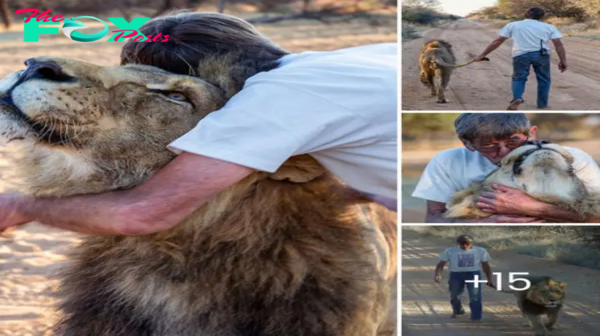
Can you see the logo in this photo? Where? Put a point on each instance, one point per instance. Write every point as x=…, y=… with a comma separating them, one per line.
x=72, y=28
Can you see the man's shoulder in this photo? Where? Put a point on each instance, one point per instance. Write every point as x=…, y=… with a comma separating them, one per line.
x=530, y=23
x=544, y=24
x=384, y=54
x=343, y=69
x=454, y=155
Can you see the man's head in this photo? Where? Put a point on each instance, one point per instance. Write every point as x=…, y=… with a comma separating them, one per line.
x=494, y=135
x=535, y=13
x=465, y=242
x=221, y=49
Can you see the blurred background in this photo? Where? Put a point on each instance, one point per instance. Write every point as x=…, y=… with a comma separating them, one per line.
x=296, y=25
x=571, y=17
x=426, y=134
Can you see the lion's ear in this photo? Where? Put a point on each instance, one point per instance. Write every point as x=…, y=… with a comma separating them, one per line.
x=508, y=160
x=298, y=169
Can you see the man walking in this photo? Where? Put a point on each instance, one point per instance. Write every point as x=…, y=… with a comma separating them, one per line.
x=466, y=262
x=530, y=49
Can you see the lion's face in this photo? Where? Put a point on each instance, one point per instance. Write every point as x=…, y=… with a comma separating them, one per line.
x=70, y=127
x=543, y=170
x=549, y=293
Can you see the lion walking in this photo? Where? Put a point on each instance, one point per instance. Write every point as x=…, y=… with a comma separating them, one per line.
x=545, y=296
x=436, y=64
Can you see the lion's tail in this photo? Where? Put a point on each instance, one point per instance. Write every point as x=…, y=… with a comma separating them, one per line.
x=445, y=64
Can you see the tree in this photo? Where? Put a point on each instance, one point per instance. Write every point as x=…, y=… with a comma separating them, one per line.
x=421, y=3
x=591, y=7
x=5, y=14
x=558, y=8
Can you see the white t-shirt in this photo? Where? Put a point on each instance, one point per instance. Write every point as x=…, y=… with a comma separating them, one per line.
x=465, y=261
x=340, y=107
x=455, y=169
x=527, y=35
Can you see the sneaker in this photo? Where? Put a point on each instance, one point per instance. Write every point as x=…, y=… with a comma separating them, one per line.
x=514, y=105
x=454, y=315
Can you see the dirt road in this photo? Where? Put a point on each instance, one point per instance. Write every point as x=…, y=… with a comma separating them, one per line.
x=486, y=85
x=426, y=310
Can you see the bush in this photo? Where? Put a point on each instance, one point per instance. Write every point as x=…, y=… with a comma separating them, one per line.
x=424, y=16
x=409, y=32
x=590, y=236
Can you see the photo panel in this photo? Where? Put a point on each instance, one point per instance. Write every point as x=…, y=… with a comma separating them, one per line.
x=500, y=280
x=500, y=167
x=499, y=55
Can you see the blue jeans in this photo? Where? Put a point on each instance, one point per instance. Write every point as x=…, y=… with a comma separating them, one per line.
x=541, y=67
x=457, y=286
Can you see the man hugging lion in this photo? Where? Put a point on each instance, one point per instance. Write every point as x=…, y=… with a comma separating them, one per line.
x=489, y=139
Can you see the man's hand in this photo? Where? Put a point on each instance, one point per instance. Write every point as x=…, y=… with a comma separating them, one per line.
x=9, y=211
x=562, y=66
x=480, y=58
x=508, y=201
x=491, y=284
x=437, y=278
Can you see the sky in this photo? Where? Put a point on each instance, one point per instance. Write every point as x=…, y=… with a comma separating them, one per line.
x=464, y=7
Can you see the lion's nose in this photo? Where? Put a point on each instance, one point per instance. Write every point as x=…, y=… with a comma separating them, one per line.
x=47, y=70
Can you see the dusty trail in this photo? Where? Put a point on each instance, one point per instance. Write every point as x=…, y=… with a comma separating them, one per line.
x=426, y=310
x=486, y=85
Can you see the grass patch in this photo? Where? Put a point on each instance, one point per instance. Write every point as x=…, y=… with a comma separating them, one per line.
x=410, y=32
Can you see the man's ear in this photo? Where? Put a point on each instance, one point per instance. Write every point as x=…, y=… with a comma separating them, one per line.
x=533, y=133
x=467, y=144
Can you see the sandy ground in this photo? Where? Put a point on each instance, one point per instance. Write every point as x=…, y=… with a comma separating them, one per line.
x=486, y=85
x=28, y=260
x=426, y=309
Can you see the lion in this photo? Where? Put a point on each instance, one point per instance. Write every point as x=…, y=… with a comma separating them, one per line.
x=436, y=63
x=542, y=170
x=545, y=296
x=294, y=251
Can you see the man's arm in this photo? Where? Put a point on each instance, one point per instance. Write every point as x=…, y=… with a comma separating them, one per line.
x=516, y=202
x=436, y=210
x=487, y=270
x=562, y=54
x=437, y=277
x=491, y=47
x=160, y=203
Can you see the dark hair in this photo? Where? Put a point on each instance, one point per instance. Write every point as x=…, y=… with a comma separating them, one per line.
x=535, y=13
x=465, y=238
x=471, y=126
x=218, y=48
